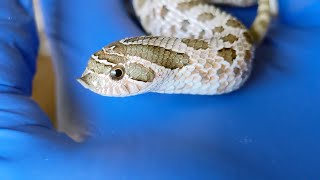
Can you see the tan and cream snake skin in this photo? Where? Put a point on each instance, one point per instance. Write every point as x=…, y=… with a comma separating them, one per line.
x=194, y=48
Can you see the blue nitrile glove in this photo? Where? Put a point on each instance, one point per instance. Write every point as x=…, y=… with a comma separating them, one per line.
x=269, y=129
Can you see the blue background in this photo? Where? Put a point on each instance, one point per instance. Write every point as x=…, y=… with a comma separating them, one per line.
x=269, y=129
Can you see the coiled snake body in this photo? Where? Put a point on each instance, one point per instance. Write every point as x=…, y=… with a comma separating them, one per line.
x=194, y=48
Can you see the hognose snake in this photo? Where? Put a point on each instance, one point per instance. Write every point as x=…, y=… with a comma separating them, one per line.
x=195, y=48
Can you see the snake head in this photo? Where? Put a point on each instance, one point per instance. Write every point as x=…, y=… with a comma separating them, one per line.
x=111, y=73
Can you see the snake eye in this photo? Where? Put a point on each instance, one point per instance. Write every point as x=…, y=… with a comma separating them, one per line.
x=117, y=72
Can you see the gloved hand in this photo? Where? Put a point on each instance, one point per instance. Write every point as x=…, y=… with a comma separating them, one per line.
x=268, y=129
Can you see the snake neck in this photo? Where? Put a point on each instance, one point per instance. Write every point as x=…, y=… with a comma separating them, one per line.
x=261, y=24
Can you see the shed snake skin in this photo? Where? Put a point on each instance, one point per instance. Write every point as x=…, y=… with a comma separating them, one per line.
x=194, y=48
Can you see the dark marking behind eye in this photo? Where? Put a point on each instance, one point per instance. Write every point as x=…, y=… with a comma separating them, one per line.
x=161, y=56
x=138, y=72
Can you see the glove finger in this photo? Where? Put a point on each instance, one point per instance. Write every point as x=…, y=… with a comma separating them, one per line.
x=300, y=13
x=19, y=45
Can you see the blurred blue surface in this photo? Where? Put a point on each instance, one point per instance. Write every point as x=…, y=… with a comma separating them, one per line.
x=269, y=129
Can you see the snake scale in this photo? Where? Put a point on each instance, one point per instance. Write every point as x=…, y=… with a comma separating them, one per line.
x=194, y=48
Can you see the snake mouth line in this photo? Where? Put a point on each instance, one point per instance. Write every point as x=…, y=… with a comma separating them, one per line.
x=83, y=82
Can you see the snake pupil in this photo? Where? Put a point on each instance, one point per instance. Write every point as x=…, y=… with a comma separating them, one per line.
x=118, y=73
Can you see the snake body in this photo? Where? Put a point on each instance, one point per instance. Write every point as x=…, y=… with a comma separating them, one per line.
x=194, y=48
